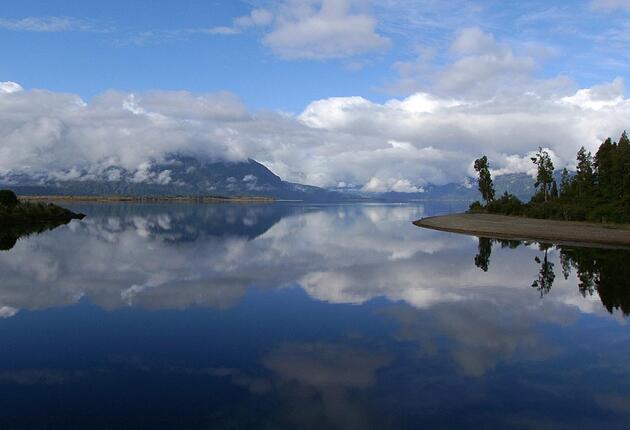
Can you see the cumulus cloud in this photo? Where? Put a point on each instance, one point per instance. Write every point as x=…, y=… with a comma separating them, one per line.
x=323, y=29
x=398, y=145
x=10, y=87
x=599, y=97
x=476, y=66
x=256, y=18
x=483, y=60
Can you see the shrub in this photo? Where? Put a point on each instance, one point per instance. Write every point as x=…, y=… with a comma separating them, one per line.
x=8, y=199
x=507, y=204
x=475, y=207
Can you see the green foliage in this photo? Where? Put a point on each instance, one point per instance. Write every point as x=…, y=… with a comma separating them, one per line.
x=8, y=199
x=599, y=191
x=544, y=176
x=507, y=204
x=554, y=190
x=486, y=187
x=15, y=213
x=476, y=207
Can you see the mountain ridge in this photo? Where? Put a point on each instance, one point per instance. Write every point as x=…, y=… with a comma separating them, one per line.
x=182, y=175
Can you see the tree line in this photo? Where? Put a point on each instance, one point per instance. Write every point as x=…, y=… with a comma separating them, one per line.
x=598, y=190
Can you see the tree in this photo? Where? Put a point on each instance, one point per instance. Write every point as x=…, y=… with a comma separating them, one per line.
x=544, y=176
x=624, y=160
x=584, y=177
x=604, y=166
x=565, y=183
x=8, y=199
x=554, y=190
x=486, y=187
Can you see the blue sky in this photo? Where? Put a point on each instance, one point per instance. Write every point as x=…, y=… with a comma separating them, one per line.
x=144, y=45
x=378, y=94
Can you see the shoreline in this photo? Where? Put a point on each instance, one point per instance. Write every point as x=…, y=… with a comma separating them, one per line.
x=148, y=199
x=573, y=233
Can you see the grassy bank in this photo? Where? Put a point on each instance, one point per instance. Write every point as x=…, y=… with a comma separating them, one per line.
x=15, y=212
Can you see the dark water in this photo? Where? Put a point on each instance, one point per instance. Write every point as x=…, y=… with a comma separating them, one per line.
x=290, y=316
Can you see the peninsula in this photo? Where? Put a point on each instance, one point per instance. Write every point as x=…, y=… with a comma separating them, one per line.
x=20, y=218
x=494, y=226
x=597, y=192
x=18, y=213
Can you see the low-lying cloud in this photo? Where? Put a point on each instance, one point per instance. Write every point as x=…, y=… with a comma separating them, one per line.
x=399, y=145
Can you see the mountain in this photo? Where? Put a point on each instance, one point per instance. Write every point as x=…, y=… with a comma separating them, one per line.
x=177, y=175
x=182, y=175
x=519, y=184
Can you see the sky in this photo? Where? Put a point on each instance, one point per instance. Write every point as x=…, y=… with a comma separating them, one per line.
x=378, y=95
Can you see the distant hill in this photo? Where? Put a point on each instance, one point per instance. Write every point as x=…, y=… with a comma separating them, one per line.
x=519, y=184
x=189, y=176
x=178, y=175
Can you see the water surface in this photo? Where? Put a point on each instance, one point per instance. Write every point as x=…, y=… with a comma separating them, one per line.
x=306, y=316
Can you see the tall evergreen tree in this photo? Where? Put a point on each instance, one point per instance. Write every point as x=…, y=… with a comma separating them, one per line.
x=565, y=184
x=554, y=190
x=624, y=157
x=604, y=166
x=584, y=173
x=486, y=187
x=544, y=176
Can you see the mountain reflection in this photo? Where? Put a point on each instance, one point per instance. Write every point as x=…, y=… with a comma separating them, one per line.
x=599, y=270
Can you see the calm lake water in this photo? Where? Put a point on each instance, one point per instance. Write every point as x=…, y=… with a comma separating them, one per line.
x=306, y=316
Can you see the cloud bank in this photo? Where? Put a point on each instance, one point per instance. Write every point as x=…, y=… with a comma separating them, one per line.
x=400, y=145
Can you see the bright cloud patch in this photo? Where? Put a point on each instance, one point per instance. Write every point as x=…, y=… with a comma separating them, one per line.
x=9, y=87
x=399, y=145
x=323, y=29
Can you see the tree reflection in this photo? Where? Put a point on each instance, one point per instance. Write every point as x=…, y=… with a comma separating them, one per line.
x=605, y=271
x=546, y=275
x=482, y=259
x=598, y=270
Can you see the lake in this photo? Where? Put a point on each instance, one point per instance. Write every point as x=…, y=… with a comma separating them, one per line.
x=307, y=316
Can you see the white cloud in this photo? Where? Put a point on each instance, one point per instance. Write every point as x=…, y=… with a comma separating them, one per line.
x=483, y=65
x=10, y=87
x=256, y=18
x=46, y=24
x=519, y=164
x=323, y=29
x=478, y=67
x=397, y=145
x=599, y=97
x=473, y=41
x=391, y=184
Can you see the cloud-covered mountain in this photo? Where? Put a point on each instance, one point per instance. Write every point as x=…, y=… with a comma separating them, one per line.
x=192, y=176
x=400, y=145
x=176, y=175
